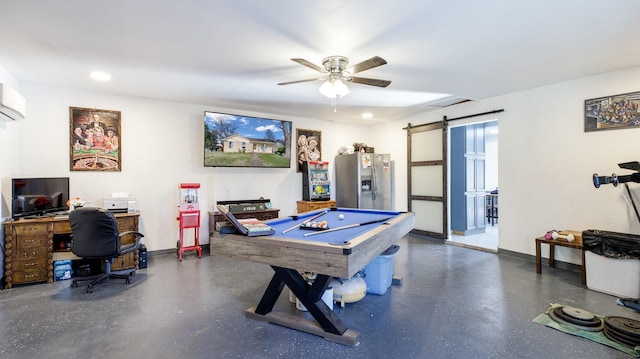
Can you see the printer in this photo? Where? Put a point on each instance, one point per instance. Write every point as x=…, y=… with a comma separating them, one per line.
x=120, y=202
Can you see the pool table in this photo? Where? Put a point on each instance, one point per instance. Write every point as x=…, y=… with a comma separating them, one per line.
x=345, y=248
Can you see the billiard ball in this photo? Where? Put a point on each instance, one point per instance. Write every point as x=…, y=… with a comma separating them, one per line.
x=341, y=216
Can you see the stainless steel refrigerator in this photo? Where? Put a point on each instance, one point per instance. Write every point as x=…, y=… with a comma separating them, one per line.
x=364, y=180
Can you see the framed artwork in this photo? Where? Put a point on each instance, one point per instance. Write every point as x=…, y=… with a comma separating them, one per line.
x=612, y=112
x=308, y=146
x=243, y=141
x=95, y=139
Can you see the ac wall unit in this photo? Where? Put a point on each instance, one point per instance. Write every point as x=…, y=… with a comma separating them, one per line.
x=12, y=104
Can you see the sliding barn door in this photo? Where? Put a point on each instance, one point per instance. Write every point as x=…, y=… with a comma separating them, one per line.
x=427, y=167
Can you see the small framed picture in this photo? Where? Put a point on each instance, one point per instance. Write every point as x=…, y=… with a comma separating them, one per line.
x=308, y=146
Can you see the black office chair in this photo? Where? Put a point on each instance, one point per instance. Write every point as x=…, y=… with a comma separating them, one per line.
x=94, y=235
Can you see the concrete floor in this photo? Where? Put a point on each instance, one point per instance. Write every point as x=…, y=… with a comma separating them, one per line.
x=487, y=241
x=455, y=302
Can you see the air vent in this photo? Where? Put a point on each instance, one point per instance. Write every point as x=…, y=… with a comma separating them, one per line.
x=448, y=102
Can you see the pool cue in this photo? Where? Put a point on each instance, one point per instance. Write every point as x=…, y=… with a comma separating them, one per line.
x=308, y=220
x=347, y=226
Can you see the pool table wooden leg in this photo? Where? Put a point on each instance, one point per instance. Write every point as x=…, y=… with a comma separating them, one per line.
x=270, y=296
x=310, y=296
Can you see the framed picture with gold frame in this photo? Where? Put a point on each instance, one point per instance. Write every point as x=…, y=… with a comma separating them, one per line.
x=94, y=140
x=308, y=146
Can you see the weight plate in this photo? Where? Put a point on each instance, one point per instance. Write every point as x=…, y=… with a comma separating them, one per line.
x=622, y=339
x=577, y=313
x=594, y=322
x=592, y=326
x=621, y=336
x=628, y=326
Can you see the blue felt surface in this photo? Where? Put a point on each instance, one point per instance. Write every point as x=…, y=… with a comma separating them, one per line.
x=351, y=216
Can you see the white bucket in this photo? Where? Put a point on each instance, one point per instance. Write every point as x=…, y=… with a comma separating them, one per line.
x=327, y=298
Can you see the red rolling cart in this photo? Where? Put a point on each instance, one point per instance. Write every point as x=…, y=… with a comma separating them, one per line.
x=189, y=217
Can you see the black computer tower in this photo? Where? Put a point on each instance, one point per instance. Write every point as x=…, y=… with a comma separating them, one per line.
x=142, y=258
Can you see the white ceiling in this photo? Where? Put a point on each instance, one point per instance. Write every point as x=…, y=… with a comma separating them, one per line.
x=231, y=54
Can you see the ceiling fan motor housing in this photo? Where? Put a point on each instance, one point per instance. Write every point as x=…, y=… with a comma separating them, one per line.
x=335, y=64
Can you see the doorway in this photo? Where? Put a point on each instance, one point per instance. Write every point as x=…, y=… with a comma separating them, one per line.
x=480, y=199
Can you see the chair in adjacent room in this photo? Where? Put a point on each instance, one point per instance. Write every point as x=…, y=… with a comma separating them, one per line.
x=492, y=208
x=95, y=235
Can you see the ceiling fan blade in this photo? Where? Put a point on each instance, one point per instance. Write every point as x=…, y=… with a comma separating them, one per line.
x=372, y=82
x=309, y=64
x=367, y=64
x=298, y=81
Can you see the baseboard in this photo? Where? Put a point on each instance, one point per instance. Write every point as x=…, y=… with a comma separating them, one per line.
x=162, y=252
x=532, y=258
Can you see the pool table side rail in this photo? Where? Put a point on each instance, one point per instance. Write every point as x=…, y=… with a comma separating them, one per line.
x=313, y=256
x=367, y=247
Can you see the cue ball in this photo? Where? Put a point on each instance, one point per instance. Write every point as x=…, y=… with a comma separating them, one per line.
x=341, y=216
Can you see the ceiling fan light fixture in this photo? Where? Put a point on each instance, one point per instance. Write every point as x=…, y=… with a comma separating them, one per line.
x=100, y=76
x=340, y=88
x=334, y=88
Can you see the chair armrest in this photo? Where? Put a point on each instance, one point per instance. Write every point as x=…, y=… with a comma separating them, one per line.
x=132, y=246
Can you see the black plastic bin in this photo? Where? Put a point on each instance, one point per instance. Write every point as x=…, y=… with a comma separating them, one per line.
x=612, y=262
x=612, y=244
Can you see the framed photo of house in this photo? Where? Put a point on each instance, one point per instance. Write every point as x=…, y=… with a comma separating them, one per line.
x=308, y=146
x=244, y=141
x=612, y=112
x=95, y=140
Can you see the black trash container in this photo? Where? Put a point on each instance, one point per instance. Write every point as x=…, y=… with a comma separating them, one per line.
x=612, y=261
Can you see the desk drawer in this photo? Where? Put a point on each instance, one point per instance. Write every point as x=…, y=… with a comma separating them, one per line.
x=29, y=276
x=28, y=242
x=28, y=265
x=30, y=253
x=315, y=206
x=127, y=261
x=61, y=227
x=126, y=224
x=31, y=229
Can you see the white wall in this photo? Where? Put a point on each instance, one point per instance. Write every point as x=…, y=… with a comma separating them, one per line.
x=162, y=146
x=546, y=160
x=491, y=156
x=6, y=143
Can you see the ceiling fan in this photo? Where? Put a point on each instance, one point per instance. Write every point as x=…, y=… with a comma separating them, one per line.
x=336, y=73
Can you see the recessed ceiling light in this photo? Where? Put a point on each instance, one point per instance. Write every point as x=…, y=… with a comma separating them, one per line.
x=100, y=76
x=367, y=115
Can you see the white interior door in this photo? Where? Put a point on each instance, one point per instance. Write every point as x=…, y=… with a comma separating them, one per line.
x=427, y=167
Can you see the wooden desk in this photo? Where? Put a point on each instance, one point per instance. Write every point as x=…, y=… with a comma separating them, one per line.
x=577, y=244
x=307, y=206
x=32, y=245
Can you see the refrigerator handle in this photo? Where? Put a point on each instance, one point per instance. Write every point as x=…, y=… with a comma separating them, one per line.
x=374, y=183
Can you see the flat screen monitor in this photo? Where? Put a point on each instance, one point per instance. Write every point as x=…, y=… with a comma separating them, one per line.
x=39, y=196
x=244, y=141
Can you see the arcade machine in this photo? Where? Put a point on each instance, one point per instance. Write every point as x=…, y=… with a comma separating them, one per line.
x=189, y=217
x=315, y=181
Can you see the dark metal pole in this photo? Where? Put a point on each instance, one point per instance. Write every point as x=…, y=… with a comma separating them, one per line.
x=632, y=201
x=474, y=115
